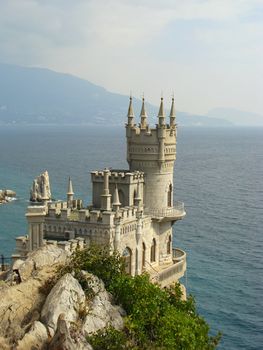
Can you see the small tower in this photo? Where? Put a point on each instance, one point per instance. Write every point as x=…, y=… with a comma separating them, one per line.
x=143, y=116
x=116, y=202
x=172, y=115
x=161, y=114
x=70, y=194
x=106, y=196
x=130, y=114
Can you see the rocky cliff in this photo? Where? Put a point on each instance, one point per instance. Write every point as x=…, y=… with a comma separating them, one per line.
x=39, y=310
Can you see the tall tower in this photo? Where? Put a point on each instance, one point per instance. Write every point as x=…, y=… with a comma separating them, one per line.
x=153, y=151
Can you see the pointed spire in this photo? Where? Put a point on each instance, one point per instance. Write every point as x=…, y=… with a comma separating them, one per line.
x=70, y=187
x=143, y=115
x=130, y=113
x=161, y=109
x=116, y=202
x=161, y=114
x=172, y=114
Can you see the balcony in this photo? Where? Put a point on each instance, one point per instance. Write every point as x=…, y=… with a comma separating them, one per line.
x=171, y=273
x=177, y=212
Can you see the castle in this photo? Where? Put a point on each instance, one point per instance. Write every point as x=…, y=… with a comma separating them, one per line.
x=132, y=210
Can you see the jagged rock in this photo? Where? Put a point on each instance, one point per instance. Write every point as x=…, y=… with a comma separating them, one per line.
x=64, y=340
x=47, y=255
x=10, y=193
x=101, y=313
x=21, y=303
x=36, y=338
x=4, y=344
x=6, y=195
x=40, y=188
x=66, y=297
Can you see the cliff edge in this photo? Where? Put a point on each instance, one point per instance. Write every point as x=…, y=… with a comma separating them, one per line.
x=39, y=310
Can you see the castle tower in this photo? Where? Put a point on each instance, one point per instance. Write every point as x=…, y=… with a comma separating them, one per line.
x=153, y=151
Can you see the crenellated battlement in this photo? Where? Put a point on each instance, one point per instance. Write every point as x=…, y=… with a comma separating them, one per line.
x=118, y=176
x=58, y=212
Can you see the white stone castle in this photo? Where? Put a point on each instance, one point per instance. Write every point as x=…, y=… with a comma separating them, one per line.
x=132, y=210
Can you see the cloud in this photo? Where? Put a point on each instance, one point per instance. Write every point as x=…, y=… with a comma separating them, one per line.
x=148, y=45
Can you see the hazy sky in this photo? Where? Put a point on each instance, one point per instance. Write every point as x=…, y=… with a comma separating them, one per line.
x=209, y=52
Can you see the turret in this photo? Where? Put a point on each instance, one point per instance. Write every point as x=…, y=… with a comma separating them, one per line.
x=130, y=114
x=106, y=196
x=143, y=116
x=116, y=202
x=161, y=114
x=70, y=194
x=138, y=199
x=172, y=115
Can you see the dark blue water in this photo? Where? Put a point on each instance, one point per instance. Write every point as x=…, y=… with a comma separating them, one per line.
x=219, y=176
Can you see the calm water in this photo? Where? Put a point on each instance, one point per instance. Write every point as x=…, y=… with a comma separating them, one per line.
x=218, y=175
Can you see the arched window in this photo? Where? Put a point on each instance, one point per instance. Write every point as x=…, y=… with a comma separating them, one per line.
x=153, y=250
x=169, y=243
x=169, y=195
x=143, y=254
x=127, y=255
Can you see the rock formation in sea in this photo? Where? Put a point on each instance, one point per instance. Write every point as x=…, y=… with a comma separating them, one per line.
x=40, y=189
x=7, y=196
x=35, y=314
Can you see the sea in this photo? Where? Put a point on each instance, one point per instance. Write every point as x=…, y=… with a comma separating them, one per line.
x=218, y=175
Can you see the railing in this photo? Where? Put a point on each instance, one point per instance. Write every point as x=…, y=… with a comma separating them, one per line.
x=176, y=269
x=178, y=254
x=176, y=211
x=172, y=273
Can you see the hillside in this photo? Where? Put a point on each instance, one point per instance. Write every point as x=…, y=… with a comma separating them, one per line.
x=42, y=96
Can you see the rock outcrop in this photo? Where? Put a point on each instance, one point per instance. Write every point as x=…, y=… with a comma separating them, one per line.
x=43, y=312
x=7, y=196
x=40, y=189
x=67, y=297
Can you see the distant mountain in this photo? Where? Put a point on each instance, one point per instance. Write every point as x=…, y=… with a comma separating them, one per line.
x=42, y=96
x=236, y=116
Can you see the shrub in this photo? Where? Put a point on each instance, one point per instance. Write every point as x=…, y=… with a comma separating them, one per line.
x=157, y=319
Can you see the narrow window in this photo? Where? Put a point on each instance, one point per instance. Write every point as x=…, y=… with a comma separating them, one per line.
x=153, y=250
x=143, y=254
x=169, y=195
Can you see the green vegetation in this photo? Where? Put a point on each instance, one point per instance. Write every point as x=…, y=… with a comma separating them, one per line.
x=156, y=318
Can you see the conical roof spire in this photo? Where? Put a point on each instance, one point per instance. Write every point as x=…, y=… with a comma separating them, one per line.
x=161, y=114
x=70, y=187
x=116, y=200
x=161, y=109
x=130, y=109
x=172, y=114
x=143, y=115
